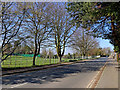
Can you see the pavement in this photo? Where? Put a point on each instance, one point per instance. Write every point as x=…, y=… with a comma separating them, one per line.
x=76, y=75
x=109, y=77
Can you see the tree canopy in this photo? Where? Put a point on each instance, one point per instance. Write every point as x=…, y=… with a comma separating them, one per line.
x=102, y=19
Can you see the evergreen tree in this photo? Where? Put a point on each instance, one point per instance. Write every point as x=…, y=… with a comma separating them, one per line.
x=102, y=19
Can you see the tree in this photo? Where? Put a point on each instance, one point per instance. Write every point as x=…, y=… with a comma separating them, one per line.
x=44, y=53
x=94, y=52
x=24, y=49
x=74, y=55
x=69, y=56
x=12, y=15
x=8, y=48
x=100, y=18
x=83, y=43
x=104, y=51
x=37, y=24
x=108, y=51
x=62, y=28
x=50, y=54
x=117, y=50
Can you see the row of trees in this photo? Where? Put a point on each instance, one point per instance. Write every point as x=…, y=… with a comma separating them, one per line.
x=103, y=52
x=35, y=25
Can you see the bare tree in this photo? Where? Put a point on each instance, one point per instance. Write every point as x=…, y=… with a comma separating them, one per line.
x=37, y=24
x=51, y=55
x=12, y=15
x=44, y=53
x=106, y=51
x=62, y=28
x=82, y=42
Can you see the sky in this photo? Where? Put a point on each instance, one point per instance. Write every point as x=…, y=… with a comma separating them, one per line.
x=105, y=43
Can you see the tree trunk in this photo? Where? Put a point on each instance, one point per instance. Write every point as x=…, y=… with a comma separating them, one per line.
x=35, y=51
x=35, y=54
x=118, y=57
x=74, y=56
x=50, y=58
x=60, y=59
x=34, y=59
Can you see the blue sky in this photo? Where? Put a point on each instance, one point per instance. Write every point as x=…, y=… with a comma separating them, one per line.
x=105, y=43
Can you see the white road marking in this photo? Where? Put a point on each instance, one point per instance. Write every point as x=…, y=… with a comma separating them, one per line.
x=94, y=78
x=18, y=85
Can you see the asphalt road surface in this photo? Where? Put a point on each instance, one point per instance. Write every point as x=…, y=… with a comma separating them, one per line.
x=77, y=75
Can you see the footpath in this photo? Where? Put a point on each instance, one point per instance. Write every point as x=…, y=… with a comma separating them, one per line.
x=109, y=77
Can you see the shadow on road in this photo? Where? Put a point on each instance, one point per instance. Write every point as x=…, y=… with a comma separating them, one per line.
x=49, y=75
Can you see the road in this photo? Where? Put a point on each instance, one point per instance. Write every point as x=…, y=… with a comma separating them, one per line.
x=77, y=75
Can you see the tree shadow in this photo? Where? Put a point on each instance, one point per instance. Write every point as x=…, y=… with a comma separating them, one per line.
x=51, y=74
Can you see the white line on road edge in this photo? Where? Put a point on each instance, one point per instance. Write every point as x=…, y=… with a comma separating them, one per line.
x=18, y=85
x=95, y=79
x=98, y=80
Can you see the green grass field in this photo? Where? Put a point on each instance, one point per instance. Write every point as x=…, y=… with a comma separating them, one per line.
x=21, y=61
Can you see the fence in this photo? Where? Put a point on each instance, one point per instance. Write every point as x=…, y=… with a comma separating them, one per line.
x=27, y=60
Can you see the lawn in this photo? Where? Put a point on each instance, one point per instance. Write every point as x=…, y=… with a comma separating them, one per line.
x=21, y=61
